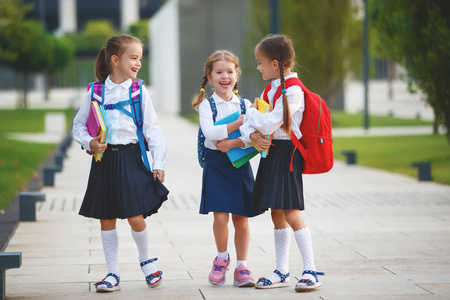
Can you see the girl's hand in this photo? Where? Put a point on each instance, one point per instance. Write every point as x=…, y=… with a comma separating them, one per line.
x=260, y=141
x=255, y=104
x=96, y=146
x=159, y=174
x=224, y=145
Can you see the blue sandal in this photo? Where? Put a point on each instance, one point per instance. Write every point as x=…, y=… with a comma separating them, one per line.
x=308, y=284
x=152, y=276
x=264, y=283
x=106, y=286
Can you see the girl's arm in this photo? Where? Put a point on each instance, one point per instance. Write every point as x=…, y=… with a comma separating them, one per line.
x=154, y=135
x=225, y=145
x=269, y=122
x=211, y=132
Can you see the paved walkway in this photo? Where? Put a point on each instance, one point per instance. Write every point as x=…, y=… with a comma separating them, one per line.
x=376, y=235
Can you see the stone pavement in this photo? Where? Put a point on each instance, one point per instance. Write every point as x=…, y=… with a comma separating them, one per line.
x=376, y=235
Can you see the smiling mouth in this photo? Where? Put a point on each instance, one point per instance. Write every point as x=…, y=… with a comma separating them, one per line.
x=224, y=84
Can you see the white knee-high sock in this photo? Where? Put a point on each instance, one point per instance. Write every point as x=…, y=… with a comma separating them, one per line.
x=282, y=239
x=141, y=239
x=110, y=242
x=304, y=242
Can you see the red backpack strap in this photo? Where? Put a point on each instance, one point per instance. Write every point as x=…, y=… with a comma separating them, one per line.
x=266, y=91
x=288, y=83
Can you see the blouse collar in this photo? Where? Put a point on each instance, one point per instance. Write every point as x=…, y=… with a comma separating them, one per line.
x=110, y=85
x=216, y=98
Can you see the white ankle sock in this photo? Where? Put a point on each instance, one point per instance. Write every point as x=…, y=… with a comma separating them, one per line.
x=223, y=255
x=282, y=239
x=110, y=242
x=241, y=262
x=141, y=239
x=304, y=242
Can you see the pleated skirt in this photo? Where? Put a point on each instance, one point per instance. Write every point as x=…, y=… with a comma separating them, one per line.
x=225, y=188
x=275, y=186
x=120, y=186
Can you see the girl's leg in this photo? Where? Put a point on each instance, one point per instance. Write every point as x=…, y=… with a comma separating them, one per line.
x=140, y=235
x=220, y=229
x=241, y=238
x=282, y=237
x=222, y=261
x=303, y=239
x=242, y=275
x=110, y=242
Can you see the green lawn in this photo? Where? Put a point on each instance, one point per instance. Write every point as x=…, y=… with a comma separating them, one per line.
x=342, y=120
x=396, y=153
x=19, y=160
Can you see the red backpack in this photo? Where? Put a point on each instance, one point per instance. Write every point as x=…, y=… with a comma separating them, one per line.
x=316, y=143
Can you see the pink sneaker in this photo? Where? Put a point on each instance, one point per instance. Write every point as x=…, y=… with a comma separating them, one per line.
x=217, y=274
x=243, y=277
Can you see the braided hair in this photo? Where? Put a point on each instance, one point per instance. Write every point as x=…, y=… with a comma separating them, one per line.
x=278, y=47
x=219, y=55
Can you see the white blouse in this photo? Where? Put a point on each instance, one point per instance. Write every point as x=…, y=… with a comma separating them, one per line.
x=122, y=130
x=270, y=123
x=212, y=133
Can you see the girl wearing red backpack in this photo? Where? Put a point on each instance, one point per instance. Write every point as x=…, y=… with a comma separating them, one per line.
x=120, y=185
x=276, y=187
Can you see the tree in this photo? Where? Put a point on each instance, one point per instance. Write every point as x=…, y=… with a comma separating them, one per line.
x=60, y=53
x=327, y=37
x=31, y=54
x=416, y=33
x=11, y=14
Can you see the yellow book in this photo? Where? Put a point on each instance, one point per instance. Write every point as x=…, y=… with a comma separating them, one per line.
x=263, y=107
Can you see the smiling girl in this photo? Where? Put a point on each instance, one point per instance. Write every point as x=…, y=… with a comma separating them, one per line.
x=120, y=186
x=225, y=189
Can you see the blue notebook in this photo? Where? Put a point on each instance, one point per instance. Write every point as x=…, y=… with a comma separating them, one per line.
x=236, y=153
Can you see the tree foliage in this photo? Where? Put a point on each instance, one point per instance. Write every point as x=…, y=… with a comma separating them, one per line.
x=327, y=37
x=416, y=33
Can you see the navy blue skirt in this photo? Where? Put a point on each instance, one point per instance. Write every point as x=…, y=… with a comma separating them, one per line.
x=225, y=188
x=120, y=186
x=275, y=186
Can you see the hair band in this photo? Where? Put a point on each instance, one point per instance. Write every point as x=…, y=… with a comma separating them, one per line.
x=202, y=90
x=235, y=91
x=283, y=91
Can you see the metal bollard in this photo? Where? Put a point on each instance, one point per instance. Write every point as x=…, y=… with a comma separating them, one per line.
x=424, y=170
x=49, y=174
x=27, y=205
x=8, y=260
x=350, y=155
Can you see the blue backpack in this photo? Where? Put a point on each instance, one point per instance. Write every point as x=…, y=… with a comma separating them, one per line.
x=135, y=92
x=201, y=137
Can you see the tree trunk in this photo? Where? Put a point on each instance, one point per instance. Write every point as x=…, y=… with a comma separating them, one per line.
x=48, y=85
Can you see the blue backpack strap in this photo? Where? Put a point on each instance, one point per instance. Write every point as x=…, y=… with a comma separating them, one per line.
x=212, y=104
x=243, y=109
x=136, y=108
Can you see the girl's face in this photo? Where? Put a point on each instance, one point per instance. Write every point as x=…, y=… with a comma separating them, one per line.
x=268, y=68
x=223, y=77
x=127, y=65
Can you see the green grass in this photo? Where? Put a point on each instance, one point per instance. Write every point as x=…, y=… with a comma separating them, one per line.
x=19, y=160
x=396, y=153
x=341, y=119
x=30, y=120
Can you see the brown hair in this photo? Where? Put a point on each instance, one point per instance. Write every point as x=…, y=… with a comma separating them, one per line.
x=219, y=55
x=279, y=47
x=114, y=46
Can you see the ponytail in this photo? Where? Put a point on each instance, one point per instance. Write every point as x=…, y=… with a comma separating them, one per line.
x=286, y=110
x=101, y=66
x=198, y=98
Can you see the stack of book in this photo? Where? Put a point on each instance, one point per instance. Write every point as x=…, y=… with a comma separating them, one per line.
x=263, y=107
x=237, y=156
x=97, y=125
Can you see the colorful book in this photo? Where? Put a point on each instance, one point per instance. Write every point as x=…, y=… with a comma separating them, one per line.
x=237, y=154
x=97, y=125
x=263, y=107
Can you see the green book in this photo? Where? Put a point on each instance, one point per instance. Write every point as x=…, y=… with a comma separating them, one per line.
x=241, y=161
